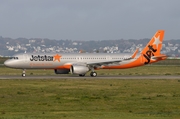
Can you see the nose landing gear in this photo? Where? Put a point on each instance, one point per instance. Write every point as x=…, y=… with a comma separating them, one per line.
x=24, y=73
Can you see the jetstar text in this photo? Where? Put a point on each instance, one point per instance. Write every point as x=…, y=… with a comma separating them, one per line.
x=41, y=58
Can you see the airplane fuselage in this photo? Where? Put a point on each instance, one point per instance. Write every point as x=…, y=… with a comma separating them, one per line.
x=60, y=60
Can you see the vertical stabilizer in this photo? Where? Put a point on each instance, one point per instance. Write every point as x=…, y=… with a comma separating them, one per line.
x=153, y=48
x=155, y=44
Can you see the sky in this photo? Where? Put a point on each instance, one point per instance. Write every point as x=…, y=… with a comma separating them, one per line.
x=89, y=19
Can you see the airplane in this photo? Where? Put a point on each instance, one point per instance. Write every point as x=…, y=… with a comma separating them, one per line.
x=81, y=63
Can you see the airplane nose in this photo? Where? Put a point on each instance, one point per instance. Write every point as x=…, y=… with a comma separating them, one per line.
x=8, y=63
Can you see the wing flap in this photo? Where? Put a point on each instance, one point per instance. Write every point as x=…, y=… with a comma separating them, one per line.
x=105, y=62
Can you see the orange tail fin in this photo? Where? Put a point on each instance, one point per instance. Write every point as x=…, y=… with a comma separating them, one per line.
x=154, y=46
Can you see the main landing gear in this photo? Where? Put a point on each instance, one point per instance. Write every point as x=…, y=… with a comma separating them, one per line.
x=93, y=74
x=24, y=73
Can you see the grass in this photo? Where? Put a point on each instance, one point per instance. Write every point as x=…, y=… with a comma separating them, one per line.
x=90, y=99
x=144, y=70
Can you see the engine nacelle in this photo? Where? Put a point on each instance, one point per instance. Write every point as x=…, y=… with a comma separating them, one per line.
x=78, y=69
x=61, y=71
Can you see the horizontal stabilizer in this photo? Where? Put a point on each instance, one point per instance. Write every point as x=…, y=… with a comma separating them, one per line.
x=159, y=57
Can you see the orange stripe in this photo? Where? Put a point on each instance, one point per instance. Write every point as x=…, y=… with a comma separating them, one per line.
x=63, y=67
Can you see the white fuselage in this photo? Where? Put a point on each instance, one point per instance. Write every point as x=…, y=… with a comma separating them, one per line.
x=47, y=61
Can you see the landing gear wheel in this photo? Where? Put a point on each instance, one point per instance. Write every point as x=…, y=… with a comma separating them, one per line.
x=93, y=74
x=82, y=75
x=23, y=74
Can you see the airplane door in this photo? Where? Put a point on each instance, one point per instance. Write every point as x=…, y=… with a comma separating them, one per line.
x=108, y=58
x=25, y=57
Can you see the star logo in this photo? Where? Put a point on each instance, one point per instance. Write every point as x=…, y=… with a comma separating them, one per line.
x=156, y=41
x=57, y=57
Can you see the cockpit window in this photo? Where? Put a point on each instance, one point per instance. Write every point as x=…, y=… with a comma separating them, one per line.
x=14, y=58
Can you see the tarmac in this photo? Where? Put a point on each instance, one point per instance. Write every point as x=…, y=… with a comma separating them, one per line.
x=89, y=77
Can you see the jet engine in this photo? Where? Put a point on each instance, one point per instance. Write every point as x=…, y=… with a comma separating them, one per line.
x=78, y=69
x=61, y=71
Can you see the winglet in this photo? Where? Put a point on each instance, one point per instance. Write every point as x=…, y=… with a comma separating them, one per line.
x=135, y=53
x=80, y=51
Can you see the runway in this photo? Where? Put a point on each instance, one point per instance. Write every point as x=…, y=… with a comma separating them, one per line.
x=88, y=77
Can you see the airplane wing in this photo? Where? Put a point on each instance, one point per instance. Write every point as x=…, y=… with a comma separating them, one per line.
x=113, y=61
x=105, y=62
